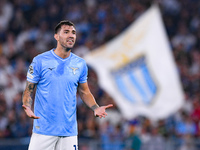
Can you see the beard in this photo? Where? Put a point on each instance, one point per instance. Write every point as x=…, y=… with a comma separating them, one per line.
x=68, y=49
x=65, y=46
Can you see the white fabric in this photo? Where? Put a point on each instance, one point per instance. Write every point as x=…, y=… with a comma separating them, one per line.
x=45, y=142
x=137, y=69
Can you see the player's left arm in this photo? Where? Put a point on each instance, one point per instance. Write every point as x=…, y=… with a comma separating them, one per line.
x=89, y=100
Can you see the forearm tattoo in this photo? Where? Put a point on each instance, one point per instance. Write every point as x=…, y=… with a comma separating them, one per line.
x=94, y=107
x=27, y=100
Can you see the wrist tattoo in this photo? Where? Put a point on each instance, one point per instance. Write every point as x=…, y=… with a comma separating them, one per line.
x=26, y=97
x=94, y=107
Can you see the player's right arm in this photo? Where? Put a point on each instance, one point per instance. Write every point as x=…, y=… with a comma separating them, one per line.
x=27, y=99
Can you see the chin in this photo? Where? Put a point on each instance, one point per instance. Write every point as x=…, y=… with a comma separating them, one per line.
x=70, y=46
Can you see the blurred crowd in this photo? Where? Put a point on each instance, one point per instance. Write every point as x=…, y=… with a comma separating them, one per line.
x=26, y=29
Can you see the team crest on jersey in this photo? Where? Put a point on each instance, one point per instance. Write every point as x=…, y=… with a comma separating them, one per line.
x=31, y=69
x=74, y=70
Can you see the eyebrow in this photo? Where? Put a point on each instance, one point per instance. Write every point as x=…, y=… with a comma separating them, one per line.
x=69, y=30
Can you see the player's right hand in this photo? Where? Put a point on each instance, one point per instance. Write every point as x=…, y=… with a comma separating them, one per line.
x=29, y=112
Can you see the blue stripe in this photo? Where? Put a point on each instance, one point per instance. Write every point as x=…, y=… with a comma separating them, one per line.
x=147, y=92
x=138, y=86
x=123, y=89
x=151, y=85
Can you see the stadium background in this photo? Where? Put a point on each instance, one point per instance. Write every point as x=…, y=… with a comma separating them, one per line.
x=26, y=29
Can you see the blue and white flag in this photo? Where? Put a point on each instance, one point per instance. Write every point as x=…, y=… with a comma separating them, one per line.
x=137, y=69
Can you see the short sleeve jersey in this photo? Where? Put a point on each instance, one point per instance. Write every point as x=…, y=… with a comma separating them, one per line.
x=55, y=100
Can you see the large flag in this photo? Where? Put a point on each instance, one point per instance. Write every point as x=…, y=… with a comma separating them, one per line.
x=137, y=69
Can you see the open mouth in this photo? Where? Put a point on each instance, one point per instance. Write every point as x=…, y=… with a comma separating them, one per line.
x=70, y=41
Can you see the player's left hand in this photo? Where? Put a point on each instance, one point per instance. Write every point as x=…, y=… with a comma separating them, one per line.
x=101, y=111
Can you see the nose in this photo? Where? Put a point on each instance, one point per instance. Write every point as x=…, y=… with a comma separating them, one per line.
x=72, y=35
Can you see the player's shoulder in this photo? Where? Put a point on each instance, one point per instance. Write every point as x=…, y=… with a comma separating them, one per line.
x=77, y=58
x=43, y=55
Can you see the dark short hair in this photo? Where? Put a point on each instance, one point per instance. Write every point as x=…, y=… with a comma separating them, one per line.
x=63, y=22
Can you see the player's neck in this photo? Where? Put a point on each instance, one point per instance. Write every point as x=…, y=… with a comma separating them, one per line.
x=62, y=53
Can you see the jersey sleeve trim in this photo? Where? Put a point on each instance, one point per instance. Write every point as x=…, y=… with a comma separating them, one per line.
x=32, y=80
x=84, y=81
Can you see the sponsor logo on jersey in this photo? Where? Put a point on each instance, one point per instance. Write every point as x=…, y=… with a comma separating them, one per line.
x=51, y=68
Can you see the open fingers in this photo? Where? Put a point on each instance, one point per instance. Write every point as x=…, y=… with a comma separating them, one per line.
x=35, y=117
x=102, y=115
x=29, y=112
x=108, y=106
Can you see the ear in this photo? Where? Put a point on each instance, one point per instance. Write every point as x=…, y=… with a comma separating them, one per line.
x=56, y=37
